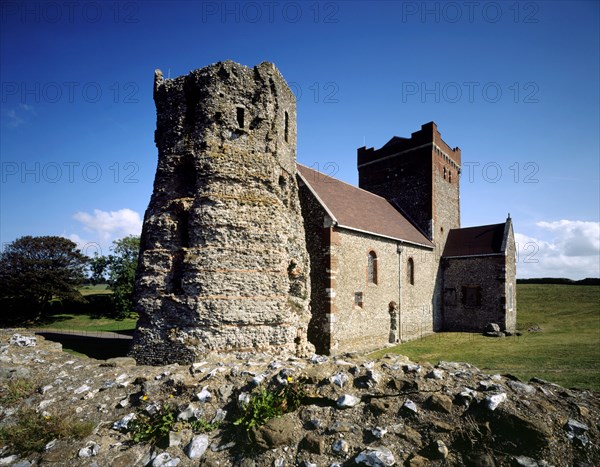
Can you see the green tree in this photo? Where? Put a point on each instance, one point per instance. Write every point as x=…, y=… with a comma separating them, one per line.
x=98, y=266
x=35, y=270
x=118, y=270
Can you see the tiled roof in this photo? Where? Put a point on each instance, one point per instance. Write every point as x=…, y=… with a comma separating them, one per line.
x=357, y=209
x=475, y=241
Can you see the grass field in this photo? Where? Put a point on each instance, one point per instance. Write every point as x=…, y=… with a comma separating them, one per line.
x=84, y=321
x=100, y=289
x=76, y=322
x=566, y=352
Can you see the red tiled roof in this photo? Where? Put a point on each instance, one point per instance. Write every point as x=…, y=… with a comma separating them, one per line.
x=474, y=241
x=358, y=209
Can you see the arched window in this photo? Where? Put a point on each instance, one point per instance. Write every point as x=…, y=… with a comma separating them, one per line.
x=410, y=271
x=372, y=267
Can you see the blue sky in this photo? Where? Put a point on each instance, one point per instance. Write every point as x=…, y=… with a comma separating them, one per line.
x=514, y=84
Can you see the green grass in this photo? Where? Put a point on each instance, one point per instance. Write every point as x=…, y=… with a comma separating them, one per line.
x=83, y=320
x=68, y=321
x=14, y=390
x=32, y=430
x=100, y=289
x=566, y=352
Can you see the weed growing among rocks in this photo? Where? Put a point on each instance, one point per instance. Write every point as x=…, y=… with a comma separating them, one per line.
x=154, y=426
x=15, y=389
x=199, y=425
x=33, y=431
x=271, y=402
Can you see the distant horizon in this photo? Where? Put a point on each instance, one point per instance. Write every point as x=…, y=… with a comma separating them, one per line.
x=558, y=278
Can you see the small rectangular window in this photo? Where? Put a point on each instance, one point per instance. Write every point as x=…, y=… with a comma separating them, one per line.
x=287, y=126
x=358, y=299
x=240, y=116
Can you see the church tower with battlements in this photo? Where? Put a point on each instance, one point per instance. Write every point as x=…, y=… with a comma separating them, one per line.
x=420, y=177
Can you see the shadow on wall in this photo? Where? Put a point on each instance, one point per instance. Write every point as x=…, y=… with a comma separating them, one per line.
x=100, y=348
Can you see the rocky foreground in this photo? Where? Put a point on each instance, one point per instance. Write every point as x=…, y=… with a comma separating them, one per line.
x=351, y=411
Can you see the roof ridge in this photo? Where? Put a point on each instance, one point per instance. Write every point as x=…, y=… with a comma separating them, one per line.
x=479, y=226
x=394, y=224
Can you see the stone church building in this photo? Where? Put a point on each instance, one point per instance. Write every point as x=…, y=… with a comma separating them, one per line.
x=389, y=260
x=243, y=249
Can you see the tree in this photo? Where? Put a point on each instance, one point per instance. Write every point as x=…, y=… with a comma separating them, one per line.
x=98, y=266
x=35, y=270
x=118, y=270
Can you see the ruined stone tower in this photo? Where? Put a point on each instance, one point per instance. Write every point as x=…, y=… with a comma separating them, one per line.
x=223, y=264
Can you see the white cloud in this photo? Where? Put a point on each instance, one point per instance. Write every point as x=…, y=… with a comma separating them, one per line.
x=87, y=247
x=576, y=238
x=104, y=227
x=16, y=117
x=27, y=108
x=571, y=249
x=76, y=239
x=14, y=120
